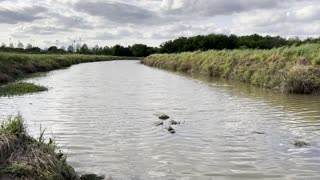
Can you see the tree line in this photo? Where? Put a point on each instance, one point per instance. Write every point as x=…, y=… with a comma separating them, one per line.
x=182, y=44
x=221, y=41
x=137, y=50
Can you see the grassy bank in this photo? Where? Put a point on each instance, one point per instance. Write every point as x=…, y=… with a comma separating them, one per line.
x=287, y=69
x=13, y=66
x=23, y=157
x=27, y=158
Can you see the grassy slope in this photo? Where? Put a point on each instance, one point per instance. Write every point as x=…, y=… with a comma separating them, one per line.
x=23, y=157
x=287, y=69
x=14, y=66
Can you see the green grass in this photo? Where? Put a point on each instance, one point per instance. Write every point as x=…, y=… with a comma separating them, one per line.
x=13, y=125
x=13, y=66
x=20, y=89
x=286, y=69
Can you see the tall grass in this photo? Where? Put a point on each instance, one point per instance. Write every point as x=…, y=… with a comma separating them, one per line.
x=13, y=66
x=287, y=69
x=23, y=157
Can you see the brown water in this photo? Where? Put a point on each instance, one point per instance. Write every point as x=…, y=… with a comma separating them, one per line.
x=101, y=114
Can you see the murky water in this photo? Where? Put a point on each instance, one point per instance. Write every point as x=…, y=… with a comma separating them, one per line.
x=101, y=114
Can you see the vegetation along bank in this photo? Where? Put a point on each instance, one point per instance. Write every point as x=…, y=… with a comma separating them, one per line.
x=23, y=157
x=294, y=69
x=13, y=66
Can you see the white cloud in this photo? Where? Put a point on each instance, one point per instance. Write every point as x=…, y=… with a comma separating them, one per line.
x=153, y=21
x=307, y=13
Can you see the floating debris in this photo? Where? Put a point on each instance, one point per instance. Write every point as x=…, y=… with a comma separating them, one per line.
x=171, y=130
x=158, y=123
x=301, y=144
x=165, y=123
x=91, y=177
x=173, y=122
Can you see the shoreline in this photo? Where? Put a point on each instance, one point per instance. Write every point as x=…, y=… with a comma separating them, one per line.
x=16, y=66
x=287, y=69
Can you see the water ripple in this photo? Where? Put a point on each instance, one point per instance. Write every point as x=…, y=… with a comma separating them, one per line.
x=101, y=115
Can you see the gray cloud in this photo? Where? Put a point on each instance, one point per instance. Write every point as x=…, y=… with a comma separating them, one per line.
x=214, y=7
x=155, y=20
x=117, y=12
x=70, y=21
x=10, y=15
x=37, y=30
x=119, y=34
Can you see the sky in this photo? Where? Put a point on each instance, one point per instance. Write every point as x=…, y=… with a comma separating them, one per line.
x=151, y=22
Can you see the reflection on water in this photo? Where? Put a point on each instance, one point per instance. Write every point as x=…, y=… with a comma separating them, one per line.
x=101, y=114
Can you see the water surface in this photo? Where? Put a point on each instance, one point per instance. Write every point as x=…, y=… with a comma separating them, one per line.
x=101, y=114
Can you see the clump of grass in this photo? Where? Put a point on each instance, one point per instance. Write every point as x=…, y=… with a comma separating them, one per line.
x=287, y=69
x=20, y=89
x=13, y=125
x=19, y=169
x=26, y=158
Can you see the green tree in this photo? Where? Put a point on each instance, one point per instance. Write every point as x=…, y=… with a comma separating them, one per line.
x=140, y=50
x=84, y=49
x=3, y=46
x=107, y=51
x=95, y=49
x=20, y=45
x=53, y=49
x=119, y=50
x=29, y=46
x=70, y=49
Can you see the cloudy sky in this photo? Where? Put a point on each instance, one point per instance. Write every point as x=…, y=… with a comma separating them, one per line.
x=109, y=22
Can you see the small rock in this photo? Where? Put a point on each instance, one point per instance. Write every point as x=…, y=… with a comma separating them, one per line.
x=257, y=132
x=300, y=144
x=162, y=116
